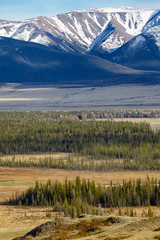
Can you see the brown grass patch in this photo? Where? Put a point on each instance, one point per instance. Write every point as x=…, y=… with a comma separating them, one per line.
x=119, y=237
x=83, y=228
x=26, y=238
x=35, y=157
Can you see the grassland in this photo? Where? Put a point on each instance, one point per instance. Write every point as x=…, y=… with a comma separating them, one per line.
x=35, y=157
x=16, y=221
x=154, y=122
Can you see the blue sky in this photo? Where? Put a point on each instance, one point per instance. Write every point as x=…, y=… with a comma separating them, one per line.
x=20, y=9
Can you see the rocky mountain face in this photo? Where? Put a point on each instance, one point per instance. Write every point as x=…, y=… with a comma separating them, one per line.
x=143, y=50
x=93, y=30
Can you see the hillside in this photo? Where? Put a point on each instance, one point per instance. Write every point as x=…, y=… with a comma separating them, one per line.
x=24, y=62
x=141, y=52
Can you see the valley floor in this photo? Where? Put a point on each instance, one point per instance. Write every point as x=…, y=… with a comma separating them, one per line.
x=20, y=98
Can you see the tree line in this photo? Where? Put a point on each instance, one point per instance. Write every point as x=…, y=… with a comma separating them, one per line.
x=75, y=198
x=78, y=115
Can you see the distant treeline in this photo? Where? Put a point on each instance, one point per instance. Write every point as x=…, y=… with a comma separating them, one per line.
x=120, y=145
x=78, y=115
x=77, y=197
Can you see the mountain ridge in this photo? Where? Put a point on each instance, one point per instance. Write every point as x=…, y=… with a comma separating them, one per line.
x=77, y=30
x=123, y=35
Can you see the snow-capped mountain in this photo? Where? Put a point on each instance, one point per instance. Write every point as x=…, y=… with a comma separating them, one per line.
x=142, y=51
x=83, y=31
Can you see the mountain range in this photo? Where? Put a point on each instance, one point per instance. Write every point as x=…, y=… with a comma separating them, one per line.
x=84, y=31
x=83, y=46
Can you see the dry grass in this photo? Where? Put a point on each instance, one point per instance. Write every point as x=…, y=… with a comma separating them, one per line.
x=101, y=228
x=26, y=238
x=76, y=229
x=119, y=237
x=154, y=122
x=35, y=157
x=14, y=179
x=16, y=221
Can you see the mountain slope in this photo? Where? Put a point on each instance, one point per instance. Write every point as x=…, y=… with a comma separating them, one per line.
x=141, y=52
x=30, y=62
x=81, y=31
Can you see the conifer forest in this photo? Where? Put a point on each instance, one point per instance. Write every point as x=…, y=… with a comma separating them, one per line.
x=93, y=145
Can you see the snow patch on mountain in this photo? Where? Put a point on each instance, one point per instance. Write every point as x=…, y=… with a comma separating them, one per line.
x=113, y=43
x=102, y=37
x=137, y=42
x=153, y=21
x=7, y=28
x=127, y=23
x=41, y=40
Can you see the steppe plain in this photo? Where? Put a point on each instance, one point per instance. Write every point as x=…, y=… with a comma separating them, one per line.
x=17, y=97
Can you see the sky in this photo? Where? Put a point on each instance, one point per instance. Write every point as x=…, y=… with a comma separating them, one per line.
x=20, y=9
